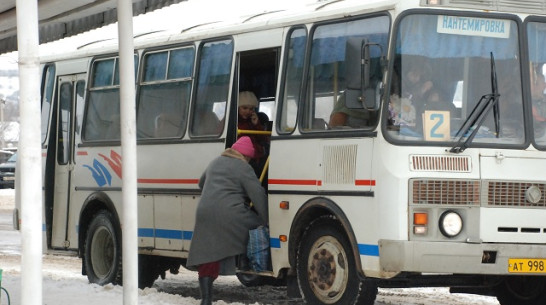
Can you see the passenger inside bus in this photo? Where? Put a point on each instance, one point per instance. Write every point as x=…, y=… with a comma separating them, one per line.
x=437, y=100
x=342, y=116
x=417, y=82
x=249, y=120
x=409, y=93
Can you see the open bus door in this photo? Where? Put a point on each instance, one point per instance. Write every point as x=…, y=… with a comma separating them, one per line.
x=257, y=71
x=70, y=92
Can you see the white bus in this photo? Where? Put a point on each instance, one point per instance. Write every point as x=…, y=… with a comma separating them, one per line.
x=407, y=146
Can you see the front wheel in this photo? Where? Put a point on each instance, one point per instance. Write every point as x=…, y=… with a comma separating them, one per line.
x=103, y=250
x=522, y=290
x=326, y=267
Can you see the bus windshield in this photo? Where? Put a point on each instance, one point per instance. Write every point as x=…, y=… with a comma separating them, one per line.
x=536, y=32
x=443, y=68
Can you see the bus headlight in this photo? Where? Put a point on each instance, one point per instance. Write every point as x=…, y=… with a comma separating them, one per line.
x=451, y=224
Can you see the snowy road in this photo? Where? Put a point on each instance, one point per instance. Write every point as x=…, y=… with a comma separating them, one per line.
x=63, y=283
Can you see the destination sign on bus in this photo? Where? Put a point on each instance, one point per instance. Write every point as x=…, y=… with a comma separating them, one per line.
x=471, y=26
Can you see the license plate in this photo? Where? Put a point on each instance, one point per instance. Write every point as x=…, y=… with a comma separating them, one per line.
x=527, y=265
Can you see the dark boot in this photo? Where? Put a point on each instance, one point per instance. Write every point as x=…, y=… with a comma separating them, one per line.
x=205, y=285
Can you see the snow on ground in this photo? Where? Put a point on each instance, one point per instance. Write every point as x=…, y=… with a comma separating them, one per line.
x=63, y=283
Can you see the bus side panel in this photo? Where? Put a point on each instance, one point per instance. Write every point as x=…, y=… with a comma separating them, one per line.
x=339, y=170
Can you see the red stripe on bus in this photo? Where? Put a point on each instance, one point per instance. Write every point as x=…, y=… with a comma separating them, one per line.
x=316, y=182
x=168, y=181
x=294, y=182
x=365, y=182
x=81, y=153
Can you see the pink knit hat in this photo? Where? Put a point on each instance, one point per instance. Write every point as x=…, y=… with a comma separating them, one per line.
x=244, y=146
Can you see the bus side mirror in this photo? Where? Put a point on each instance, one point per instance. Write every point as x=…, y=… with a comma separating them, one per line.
x=360, y=92
x=364, y=99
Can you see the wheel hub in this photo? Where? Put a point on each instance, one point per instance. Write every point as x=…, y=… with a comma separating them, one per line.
x=327, y=270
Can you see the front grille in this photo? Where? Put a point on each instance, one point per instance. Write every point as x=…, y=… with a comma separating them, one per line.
x=440, y=163
x=473, y=192
x=460, y=192
x=507, y=193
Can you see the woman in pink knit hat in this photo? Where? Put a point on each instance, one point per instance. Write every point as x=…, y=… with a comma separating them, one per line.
x=223, y=216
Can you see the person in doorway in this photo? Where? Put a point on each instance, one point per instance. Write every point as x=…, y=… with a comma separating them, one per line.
x=249, y=120
x=224, y=215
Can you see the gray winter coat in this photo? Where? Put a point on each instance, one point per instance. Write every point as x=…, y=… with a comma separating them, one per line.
x=223, y=217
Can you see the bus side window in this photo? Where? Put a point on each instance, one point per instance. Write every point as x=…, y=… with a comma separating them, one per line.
x=293, y=71
x=48, y=84
x=102, y=116
x=164, y=93
x=102, y=112
x=332, y=60
x=214, y=70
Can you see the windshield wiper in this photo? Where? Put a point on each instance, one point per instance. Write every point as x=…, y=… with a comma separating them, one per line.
x=479, y=113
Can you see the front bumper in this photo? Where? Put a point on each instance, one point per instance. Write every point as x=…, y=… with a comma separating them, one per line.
x=453, y=257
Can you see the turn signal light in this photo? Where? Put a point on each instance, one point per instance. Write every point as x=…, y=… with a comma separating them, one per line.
x=420, y=222
x=420, y=219
x=284, y=205
x=283, y=238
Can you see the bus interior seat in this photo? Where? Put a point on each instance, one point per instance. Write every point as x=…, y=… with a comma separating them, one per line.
x=167, y=125
x=113, y=128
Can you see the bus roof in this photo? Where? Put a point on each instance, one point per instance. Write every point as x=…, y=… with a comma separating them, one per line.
x=202, y=29
x=193, y=29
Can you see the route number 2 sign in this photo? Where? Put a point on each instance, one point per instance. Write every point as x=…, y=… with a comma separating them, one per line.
x=436, y=125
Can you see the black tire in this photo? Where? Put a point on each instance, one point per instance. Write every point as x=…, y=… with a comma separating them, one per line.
x=522, y=290
x=326, y=267
x=103, y=250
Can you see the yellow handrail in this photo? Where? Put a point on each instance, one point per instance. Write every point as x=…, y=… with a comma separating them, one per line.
x=264, y=170
x=253, y=132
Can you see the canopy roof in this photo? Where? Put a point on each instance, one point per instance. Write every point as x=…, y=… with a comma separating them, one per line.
x=62, y=18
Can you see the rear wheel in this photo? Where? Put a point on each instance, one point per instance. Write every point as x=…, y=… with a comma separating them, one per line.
x=522, y=290
x=103, y=250
x=326, y=267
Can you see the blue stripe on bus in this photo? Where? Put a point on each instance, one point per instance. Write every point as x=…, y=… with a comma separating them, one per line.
x=163, y=233
x=172, y=234
x=274, y=242
x=363, y=249
x=145, y=232
x=369, y=250
x=187, y=235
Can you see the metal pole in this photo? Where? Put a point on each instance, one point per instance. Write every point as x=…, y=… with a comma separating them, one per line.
x=4, y=127
x=128, y=150
x=30, y=156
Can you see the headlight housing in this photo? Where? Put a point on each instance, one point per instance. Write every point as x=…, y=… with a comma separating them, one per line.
x=451, y=223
